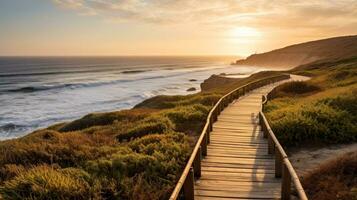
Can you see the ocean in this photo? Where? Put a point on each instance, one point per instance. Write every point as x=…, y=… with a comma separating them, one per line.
x=36, y=92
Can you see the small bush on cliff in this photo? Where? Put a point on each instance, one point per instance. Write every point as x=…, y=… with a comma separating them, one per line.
x=295, y=88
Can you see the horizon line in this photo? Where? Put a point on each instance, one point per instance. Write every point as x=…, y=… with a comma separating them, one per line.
x=131, y=55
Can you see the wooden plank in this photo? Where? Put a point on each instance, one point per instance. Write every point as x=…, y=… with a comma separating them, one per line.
x=232, y=194
x=255, y=133
x=239, y=139
x=243, y=115
x=234, y=151
x=259, y=162
x=234, y=123
x=249, y=122
x=229, y=165
x=237, y=134
x=238, y=170
x=239, y=148
x=240, y=155
x=262, y=189
x=237, y=128
x=218, y=198
x=241, y=145
x=207, y=182
x=236, y=139
x=224, y=175
x=261, y=180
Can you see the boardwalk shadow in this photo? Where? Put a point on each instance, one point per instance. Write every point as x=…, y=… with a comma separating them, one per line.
x=262, y=173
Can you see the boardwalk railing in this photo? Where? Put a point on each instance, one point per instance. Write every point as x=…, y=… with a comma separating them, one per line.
x=283, y=167
x=185, y=185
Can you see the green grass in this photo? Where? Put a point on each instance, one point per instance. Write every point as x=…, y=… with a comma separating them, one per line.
x=322, y=110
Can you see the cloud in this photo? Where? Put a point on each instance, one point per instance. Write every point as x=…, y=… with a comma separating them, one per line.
x=274, y=14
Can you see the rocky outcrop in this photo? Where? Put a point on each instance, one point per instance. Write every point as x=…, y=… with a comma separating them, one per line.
x=191, y=89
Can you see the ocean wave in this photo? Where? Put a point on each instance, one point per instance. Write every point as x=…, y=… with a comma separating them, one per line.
x=134, y=71
x=29, y=89
x=32, y=88
x=120, y=70
x=10, y=127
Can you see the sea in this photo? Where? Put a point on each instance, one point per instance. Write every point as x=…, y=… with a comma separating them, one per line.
x=36, y=92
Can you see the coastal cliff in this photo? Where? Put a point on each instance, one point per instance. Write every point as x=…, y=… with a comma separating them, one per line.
x=215, y=80
x=299, y=54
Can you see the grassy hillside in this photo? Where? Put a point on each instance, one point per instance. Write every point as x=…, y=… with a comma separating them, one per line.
x=129, y=154
x=322, y=110
x=318, y=112
x=303, y=53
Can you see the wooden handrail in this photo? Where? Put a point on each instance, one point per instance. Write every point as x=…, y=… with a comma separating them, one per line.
x=193, y=165
x=283, y=167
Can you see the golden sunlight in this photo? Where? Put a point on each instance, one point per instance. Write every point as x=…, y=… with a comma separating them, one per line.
x=245, y=32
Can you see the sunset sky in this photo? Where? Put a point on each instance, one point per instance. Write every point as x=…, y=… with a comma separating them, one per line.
x=168, y=27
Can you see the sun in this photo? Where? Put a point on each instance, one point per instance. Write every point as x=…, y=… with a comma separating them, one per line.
x=245, y=32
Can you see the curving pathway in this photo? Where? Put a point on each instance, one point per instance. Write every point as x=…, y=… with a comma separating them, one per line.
x=238, y=165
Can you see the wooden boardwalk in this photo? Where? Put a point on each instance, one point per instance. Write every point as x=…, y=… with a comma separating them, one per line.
x=238, y=165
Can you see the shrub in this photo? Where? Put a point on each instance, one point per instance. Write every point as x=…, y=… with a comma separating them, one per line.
x=188, y=118
x=295, y=88
x=346, y=101
x=44, y=182
x=165, y=102
x=154, y=124
x=314, y=123
x=334, y=180
x=100, y=119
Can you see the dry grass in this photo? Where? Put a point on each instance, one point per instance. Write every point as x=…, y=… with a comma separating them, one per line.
x=334, y=180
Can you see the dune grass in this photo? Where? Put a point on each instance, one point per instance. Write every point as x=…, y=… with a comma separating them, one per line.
x=134, y=157
x=319, y=111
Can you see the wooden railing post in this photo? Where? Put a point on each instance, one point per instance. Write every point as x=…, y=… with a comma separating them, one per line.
x=286, y=184
x=265, y=131
x=197, y=163
x=204, y=144
x=208, y=135
x=215, y=115
x=278, y=163
x=188, y=186
x=270, y=145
